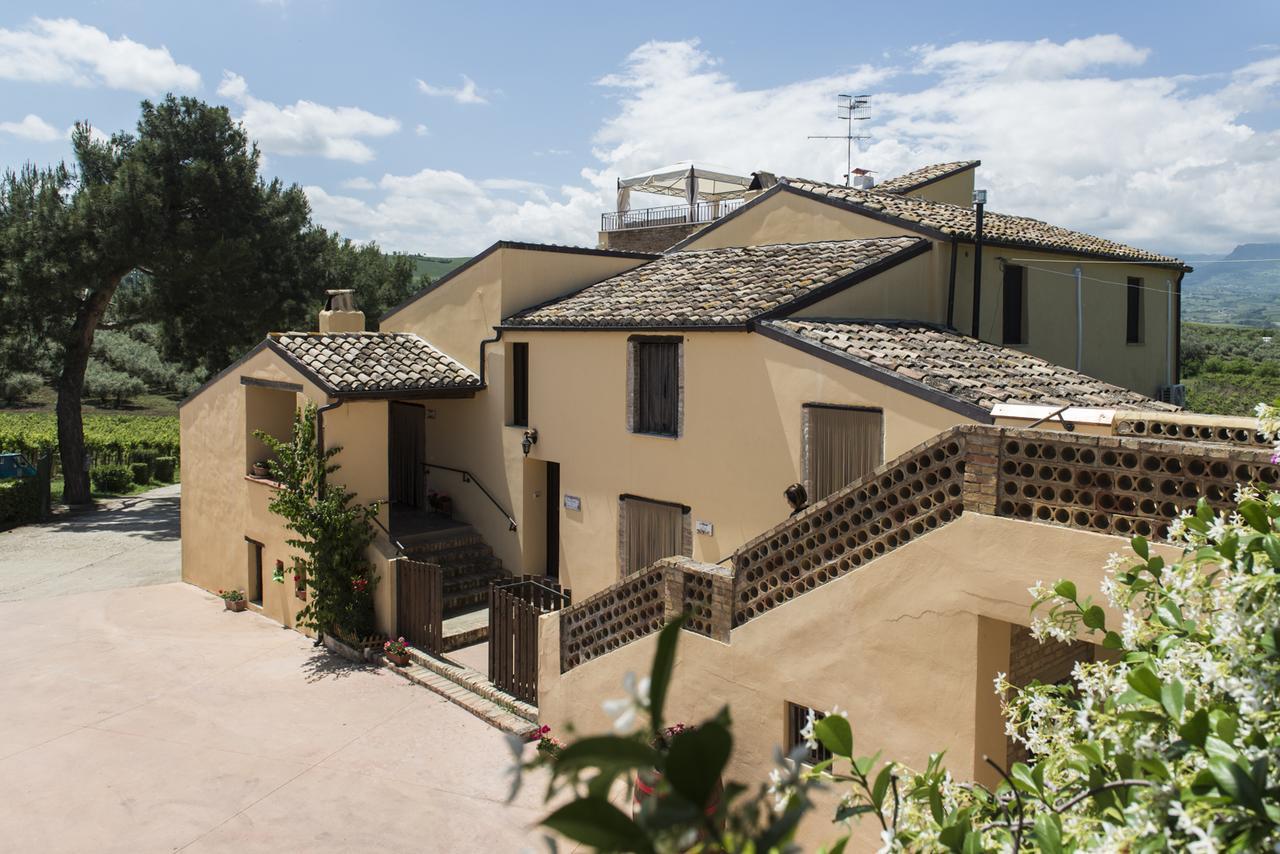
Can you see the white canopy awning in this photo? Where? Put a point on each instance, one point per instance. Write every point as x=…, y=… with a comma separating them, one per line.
x=685, y=180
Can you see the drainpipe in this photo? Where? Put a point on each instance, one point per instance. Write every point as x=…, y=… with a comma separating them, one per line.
x=1079, y=319
x=320, y=429
x=980, y=202
x=951, y=285
x=1177, y=326
x=1168, y=333
x=493, y=340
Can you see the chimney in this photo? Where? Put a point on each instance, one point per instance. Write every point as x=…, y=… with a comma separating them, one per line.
x=340, y=314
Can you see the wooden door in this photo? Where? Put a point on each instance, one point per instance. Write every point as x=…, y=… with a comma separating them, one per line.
x=406, y=454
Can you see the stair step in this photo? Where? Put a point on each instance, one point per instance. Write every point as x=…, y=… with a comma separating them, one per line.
x=488, y=710
x=474, y=681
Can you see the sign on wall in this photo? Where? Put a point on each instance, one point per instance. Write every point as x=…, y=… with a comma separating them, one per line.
x=572, y=502
x=705, y=528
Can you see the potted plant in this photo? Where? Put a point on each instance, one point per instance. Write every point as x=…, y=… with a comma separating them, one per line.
x=260, y=469
x=646, y=782
x=549, y=747
x=233, y=599
x=397, y=652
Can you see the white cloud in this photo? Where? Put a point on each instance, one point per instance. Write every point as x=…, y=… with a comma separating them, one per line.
x=467, y=93
x=358, y=184
x=64, y=50
x=1068, y=132
x=306, y=127
x=422, y=130
x=34, y=128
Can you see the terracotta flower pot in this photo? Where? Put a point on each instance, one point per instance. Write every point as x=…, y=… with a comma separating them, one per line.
x=647, y=781
x=238, y=605
x=259, y=471
x=400, y=659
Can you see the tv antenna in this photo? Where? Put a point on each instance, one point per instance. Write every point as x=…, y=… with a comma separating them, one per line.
x=849, y=109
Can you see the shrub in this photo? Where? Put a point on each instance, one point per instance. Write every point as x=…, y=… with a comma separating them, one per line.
x=105, y=384
x=109, y=438
x=15, y=387
x=111, y=478
x=19, y=500
x=165, y=468
x=140, y=472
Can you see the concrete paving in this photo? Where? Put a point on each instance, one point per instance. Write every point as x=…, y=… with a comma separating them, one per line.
x=151, y=719
x=125, y=542
x=137, y=714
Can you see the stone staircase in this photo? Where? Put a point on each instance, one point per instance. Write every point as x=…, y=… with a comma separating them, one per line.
x=468, y=565
x=471, y=690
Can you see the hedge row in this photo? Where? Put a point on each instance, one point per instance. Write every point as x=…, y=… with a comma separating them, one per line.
x=19, y=500
x=111, y=439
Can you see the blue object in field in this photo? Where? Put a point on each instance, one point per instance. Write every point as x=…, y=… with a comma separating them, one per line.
x=16, y=465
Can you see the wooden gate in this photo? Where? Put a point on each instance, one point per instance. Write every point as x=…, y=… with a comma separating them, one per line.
x=420, y=604
x=514, y=608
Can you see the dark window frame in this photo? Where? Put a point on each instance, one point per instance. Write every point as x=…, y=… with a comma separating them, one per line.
x=1134, y=311
x=519, y=384
x=667, y=421
x=796, y=717
x=1013, y=296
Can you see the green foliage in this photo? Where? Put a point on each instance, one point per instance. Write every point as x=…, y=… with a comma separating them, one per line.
x=165, y=468
x=19, y=500
x=332, y=533
x=1228, y=369
x=109, y=438
x=16, y=386
x=140, y=473
x=112, y=479
x=110, y=385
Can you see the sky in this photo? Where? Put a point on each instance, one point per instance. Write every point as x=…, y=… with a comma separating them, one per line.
x=438, y=128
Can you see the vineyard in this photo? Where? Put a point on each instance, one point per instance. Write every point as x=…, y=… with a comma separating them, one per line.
x=110, y=439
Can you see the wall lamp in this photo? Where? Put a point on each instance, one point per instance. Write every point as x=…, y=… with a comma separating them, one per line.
x=530, y=439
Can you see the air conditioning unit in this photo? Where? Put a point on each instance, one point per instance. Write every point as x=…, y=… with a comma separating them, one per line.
x=1175, y=394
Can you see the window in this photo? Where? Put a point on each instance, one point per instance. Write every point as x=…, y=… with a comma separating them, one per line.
x=798, y=719
x=842, y=443
x=520, y=385
x=655, y=386
x=255, y=571
x=1133, y=312
x=651, y=530
x=1015, y=305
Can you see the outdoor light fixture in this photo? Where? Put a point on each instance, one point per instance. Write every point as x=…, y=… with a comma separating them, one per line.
x=530, y=439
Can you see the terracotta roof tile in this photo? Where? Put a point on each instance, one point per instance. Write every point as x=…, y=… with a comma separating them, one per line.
x=715, y=287
x=962, y=367
x=961, y=222
x=350, y=362
x=925, y=175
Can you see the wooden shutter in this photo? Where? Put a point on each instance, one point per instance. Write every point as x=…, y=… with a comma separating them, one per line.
x=651, y=530
x=843, y=445
x=657, y=387
x=1015, y=296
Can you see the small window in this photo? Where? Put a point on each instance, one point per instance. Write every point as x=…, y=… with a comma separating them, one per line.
x=650, y=530
x=520, y=385
x=255, y=571
x=1015, y=305
x=1133, y=312
x=798, y=718
x=656, y=387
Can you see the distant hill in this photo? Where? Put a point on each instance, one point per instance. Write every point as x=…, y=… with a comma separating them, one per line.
x=1244, y=291
x=434, y=267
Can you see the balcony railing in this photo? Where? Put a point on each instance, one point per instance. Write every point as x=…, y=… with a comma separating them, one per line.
x=670, y=215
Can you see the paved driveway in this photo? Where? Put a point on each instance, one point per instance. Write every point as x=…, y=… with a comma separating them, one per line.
x=148, y=718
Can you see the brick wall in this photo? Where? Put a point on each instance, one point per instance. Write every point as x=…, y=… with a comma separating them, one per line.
x=1030, y=661
x=658, y=238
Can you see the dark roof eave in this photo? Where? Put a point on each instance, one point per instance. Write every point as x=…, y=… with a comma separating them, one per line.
x=628, y=327
x=410, y=393
x=877, y=373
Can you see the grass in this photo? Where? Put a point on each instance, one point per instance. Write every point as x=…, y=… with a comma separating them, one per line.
x=43, y=400
x=55, y=489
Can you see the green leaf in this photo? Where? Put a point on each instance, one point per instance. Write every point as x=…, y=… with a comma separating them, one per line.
x=696, y=759
x=835, y=735
x=1048, y=833
x=1196, y=728
x=660, y=677
x=606, y=751
x=1173, y=698
x=1094, y=617
x=1065, y=589
x=1255, y=513
x=881, y=785
x=1271, y=545
x=599, y=824
x=1112, y=641
x=1145, y=682
x=1090, y=751
x=1023, y=778
x=838, y=848
x=1203, y=511
x=1140, y=547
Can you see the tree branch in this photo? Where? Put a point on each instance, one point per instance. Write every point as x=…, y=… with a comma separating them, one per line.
x=1017, y=796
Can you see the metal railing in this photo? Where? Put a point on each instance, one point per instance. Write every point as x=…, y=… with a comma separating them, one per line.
x=398, y=545
x=468, y=477
x=669, y=215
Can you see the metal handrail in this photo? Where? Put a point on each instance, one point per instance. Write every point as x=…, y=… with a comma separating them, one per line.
x=668, y=215
x=468, y=477
x=400, y=551
x=565, y=596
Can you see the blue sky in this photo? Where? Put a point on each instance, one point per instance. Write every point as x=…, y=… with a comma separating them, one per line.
x=1152, y=123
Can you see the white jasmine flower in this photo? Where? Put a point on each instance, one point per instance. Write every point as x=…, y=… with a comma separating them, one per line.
x=626, y=711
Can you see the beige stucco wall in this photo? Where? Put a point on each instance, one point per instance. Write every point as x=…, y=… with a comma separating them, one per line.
x=1051, y=301
x=908, y=644
x=911, y=289
x=741, y=446
x=953, y=190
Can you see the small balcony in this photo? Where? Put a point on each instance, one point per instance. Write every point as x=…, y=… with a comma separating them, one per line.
x=697, y=214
